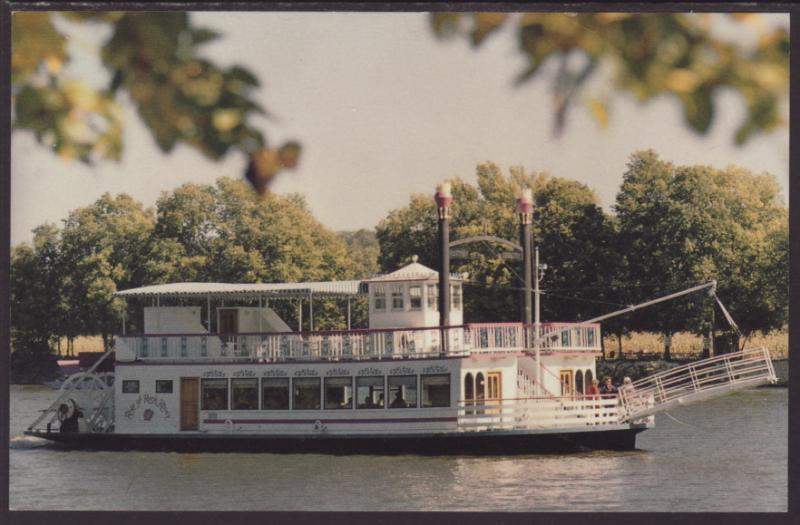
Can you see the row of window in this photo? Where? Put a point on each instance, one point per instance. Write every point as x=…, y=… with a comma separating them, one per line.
x=307, y=392
x=414, y=296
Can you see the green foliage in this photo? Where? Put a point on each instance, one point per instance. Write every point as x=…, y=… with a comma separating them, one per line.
x=363, y=250
x=652, y=54
x=570, y=225
x=689, y=224
x=154, y=58
x=32, y=362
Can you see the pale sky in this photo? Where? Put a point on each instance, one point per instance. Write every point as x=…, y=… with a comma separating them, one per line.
x=383, y=110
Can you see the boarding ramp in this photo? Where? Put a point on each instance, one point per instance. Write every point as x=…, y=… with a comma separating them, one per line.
x=695, y=382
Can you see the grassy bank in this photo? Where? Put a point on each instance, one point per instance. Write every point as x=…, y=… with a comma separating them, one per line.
x=688, y=345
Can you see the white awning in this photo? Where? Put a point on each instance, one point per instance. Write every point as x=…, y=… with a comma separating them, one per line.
x=319, y=289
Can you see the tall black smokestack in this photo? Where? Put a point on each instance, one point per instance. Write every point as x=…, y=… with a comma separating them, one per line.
x=444, y=199
x=525, y=213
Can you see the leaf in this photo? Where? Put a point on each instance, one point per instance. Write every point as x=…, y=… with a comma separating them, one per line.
x=599, y=111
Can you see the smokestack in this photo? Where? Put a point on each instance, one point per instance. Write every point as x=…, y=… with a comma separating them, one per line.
x=525, y=213
x=444, y=199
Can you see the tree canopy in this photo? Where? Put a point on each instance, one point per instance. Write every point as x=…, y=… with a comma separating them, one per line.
x=673, y=227
x=651, y=54
x=570, y=224
x=64, y=284
x=689, y=224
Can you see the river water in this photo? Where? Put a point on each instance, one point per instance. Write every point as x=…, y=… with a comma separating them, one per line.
x=728, y=454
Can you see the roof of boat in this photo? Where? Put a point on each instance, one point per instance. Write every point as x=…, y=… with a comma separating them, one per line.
x=303, y=289
x=414, y=271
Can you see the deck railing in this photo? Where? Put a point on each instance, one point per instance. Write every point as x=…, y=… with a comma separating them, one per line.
x=696, y=381
x=537, y=413
x=358, y=344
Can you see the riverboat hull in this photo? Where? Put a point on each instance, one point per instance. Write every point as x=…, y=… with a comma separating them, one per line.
x=499, y=442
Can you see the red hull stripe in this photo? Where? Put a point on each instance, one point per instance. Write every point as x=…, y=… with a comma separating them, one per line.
x=330, y=421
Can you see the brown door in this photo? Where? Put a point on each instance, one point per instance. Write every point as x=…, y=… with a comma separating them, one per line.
x=494, y=381
x=494, y=390
x=189, y=403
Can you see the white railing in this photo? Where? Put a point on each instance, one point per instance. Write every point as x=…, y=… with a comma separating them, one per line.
x=537, y=413
x=696, y=381
x=355, y=344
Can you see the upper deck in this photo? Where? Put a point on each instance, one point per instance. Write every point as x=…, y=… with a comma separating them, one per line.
x=358, y=344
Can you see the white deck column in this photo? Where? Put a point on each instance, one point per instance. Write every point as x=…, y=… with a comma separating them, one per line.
x=311, y=311
x=348, y=313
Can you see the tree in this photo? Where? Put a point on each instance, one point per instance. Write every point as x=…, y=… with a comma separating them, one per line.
x=106, y=247
x=684, y=225
x=572, y=229
x=154, y=58
x=652, y=54
x=224, y=233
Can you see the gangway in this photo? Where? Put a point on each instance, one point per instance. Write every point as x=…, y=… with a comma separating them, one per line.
x=695, y=382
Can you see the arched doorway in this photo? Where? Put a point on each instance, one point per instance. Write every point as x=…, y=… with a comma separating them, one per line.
x=579, y=389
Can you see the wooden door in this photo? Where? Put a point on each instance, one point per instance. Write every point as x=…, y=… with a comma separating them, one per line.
x=566, y=382
x=494, y=383
x=190, y=403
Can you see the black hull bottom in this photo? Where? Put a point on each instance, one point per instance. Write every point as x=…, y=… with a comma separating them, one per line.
x=482, y=444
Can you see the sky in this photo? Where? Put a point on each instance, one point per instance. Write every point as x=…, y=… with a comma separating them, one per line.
x=383, y=110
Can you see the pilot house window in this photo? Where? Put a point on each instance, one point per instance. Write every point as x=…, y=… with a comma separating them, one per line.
x=432, y=297
x=455, y=293
x=397, y=297
x=415, y=297
x=379, y=297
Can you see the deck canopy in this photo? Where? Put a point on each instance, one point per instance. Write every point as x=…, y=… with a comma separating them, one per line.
x=286, y=290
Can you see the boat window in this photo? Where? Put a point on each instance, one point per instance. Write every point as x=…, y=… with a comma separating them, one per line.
x=402, y=391
x=433, y=297
x=579, y=382
x=415, y=297
x=370, y=392
x=130, y=386
x=436, y=390
x=469, y=387
x=215, y=394
x=164, y=386
x=455, y=295
x=275, y=393
x=480, y=387
x=379, y=296
x=306, y=393
x=397, y=297
x=244, y=393
x=587, y=378
x=338, y=392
